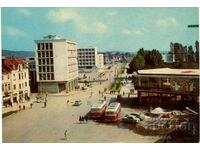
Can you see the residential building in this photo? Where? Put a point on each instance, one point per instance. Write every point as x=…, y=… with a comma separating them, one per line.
x=105, y=57
x=56, y=64
x=15, y=81
x=87, y=58
x=164, y=85
x=32, y=74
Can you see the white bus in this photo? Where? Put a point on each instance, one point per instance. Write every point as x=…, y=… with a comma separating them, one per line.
x=113, y=111
x=98, y=109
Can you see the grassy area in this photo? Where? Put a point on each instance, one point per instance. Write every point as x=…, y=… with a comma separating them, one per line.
x=116, y=86
x=122, y=69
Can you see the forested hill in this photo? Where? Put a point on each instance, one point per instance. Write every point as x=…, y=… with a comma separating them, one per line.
x=17, y=54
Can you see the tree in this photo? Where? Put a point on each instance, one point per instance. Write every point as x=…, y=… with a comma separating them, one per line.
x=137, y=63
x=191, y=55
x=197, y=51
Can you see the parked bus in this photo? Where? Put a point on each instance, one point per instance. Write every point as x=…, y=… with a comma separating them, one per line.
x=98, y=109
x=112, y=111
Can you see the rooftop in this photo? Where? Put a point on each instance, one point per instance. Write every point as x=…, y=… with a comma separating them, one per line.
x=169, y=71
x=9, y=64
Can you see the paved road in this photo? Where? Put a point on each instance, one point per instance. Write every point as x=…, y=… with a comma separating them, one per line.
x=49, y=124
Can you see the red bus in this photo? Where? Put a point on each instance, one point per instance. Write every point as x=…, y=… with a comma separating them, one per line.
x=113, y=111
x=98, y=109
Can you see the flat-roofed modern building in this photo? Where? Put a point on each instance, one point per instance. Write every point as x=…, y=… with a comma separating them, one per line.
x=165, y=84
x=56, y=64
x=100, y=61
x=87, y=58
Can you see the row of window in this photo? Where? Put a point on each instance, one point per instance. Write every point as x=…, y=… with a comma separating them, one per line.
x=45, y=46
x=85, y=57
x=45, y=54
x=46, y=69
x=86, y=60
x=6, y=87
x=46, y=76
x=86, y=53
x=86, y=49
x=45, y=61
x=32, y=66
x=86, y=63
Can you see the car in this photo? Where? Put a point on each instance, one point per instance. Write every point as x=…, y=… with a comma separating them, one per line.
x=140, y=116
x=77, y=103
x=130, y=119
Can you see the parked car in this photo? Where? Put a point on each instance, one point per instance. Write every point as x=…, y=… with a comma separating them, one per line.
x=77, y=103
x=140, y=116
x=130, y=119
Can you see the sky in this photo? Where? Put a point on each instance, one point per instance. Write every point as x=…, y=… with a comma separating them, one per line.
x=108, y=29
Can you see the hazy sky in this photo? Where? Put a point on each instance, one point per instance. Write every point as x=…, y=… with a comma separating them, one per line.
x=121, y=29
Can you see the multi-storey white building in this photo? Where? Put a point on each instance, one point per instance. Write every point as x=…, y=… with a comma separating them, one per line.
x=15, y=81
x=100, y=60
x=87, y=58
x=56, y=64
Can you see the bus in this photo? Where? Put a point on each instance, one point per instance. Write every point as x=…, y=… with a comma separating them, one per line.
x=113, y=111
x=98, y=109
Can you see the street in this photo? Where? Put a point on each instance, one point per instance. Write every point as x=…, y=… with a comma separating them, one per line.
x=48, y=124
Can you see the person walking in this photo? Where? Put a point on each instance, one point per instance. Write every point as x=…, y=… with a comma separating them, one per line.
x=65, y=133
x=45, y=104
x=86, y=119
x=80, y=119
x=20, y=107
x=31, y=105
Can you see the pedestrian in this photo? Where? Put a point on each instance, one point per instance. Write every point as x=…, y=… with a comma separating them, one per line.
x=45, y=104
x=86, y=119
x=24, y=107
x=20, y=107
x=80, y=119
x=65, y=133
x=31, y=105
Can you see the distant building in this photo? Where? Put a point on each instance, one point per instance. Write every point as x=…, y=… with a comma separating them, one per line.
x=15, y=81
x=105, y=57
x=165, y=84
x=100, y=60
x=87, y=58
x=32, y=74
x=56, y=64
x=167, y=58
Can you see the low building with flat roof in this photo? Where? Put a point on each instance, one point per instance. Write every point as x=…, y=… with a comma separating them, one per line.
x=167, y=84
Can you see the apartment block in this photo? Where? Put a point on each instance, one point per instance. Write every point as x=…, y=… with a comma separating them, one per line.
x=56, y=64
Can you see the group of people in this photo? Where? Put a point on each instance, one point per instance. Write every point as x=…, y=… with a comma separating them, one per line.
x=82, y=119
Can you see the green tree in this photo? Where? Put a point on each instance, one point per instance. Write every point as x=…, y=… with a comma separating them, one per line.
x=191, y=55
x=137, y=63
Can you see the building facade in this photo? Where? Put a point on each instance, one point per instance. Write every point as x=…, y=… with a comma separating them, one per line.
x=100, y=62
x=15, y=81
x=164, y=85
x=87, y=58
x=56, y=64
x=32, y=74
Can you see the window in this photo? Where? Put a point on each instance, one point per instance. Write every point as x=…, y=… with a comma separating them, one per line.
x=52, y=70
x=8, y=87
x=48, y=76
x=14, y=87
x=44, y=76
x=19, y=76
x=39, y=54
x=43, y=68
x=2, y=77
x=51, y=45
x=19, y=86
x=47, y=45
x=40, y=61
x=40, y=69
x=47, y=68
x=38, y=46
x=52, y=76
x=8, y=76
x=22, y=75
x=25, y=73
x=51, y=54
x=43, y=54
x=40, y=76
x=51, y=61
x=42, y=46
x=47, y=60
x=25, y=84
x=2, y=87
x=43, y=61
x=47, y=54
x=13, y=75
